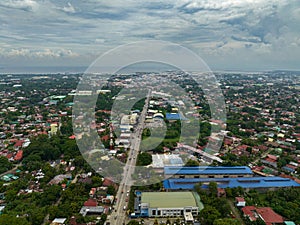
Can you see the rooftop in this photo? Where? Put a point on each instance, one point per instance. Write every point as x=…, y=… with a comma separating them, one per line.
x=169, y=170
x=269, y=216
x=59, y=220
x=244, y=182
x=93, y=210
x=289, y=223
x=174, y=116
x=169, y=199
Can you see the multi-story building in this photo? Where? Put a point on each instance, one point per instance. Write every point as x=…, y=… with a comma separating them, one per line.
x=169, y=204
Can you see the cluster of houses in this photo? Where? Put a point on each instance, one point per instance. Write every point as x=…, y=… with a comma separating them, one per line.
x=99, y=202
x=20, y=120
x=266, y=214
x=267, y=110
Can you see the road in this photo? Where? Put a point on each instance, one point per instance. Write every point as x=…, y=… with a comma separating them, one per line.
x=11, y=170
x=262, y=156
x=235, y=212
x=119, y=216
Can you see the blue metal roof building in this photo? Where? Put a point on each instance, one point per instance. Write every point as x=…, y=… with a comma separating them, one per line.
x=244, y=182
x=208, y=170
x=175, y=116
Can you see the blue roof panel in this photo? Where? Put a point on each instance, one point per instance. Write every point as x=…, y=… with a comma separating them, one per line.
x=198, y=170
x=173, y=116
x=245, y=182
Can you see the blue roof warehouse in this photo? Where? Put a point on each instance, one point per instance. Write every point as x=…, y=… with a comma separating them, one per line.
x=185, y=178
x=207, y=171
x=244, y=182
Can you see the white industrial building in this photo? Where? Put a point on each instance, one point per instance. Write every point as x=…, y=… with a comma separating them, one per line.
x=170, y=204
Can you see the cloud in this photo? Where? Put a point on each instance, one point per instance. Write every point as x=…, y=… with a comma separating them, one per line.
x=40, y=53
x=69, y=8
x=27, y=5
x=221, y=30
x=247, y=39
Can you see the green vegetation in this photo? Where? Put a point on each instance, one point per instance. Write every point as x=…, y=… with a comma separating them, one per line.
x=133, y=222
x=146, y=133
x=10, y=219
x=191, y=162
x=32, y=208
x=43, y=148
x=226, y=221
x=139, y=105
x=5, y=164
x=144, y=159
x=215, y=209
x=285, y=202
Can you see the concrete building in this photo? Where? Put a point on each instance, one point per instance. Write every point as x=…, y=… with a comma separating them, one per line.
x=240, y=202
x=170, y=204
x=159, y=161
x=87, y=210
x=129, y=119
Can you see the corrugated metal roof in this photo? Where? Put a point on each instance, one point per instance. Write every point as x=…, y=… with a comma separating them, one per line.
x=245, y=182
x=169, y=170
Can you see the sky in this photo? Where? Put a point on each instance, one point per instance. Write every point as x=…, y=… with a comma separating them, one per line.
x=246, y=35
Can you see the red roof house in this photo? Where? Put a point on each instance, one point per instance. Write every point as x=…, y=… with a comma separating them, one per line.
x=72, y=137
x=269, y=216
x=107, y=182
x=249, y=211
x=265, y=213
x=19, y=155
x=91, y=203
x=18, y=144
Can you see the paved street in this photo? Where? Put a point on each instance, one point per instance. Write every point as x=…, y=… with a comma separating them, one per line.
x=119, y=216
x=11, y=170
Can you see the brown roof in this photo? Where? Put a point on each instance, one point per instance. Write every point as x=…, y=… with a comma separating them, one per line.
x=250, y=212
x=239, y=199
x=269, y=216
x=91, y=203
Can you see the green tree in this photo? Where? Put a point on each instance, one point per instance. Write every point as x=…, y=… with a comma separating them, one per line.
x=5, y=164
x=191, y=162
x=209, y=214
x=144, y=159
x=213, y=188
x=226, y=221
x=111, y=190
x=10, y=219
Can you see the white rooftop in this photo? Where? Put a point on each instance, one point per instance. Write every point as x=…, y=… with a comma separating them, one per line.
x=162, y=160
x=59, y=220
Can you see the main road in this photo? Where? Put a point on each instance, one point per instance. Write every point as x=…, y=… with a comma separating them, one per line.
x=119, y=216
